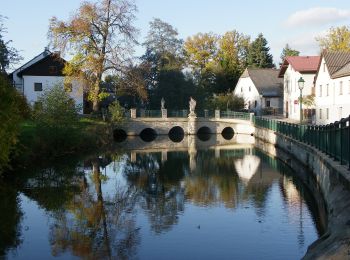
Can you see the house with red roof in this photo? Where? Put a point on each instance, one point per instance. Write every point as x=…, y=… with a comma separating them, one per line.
x=292, y=69
x=332, y=85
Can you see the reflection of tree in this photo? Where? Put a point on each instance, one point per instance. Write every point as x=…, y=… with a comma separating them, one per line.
x=92, y=226
x=159, y=187
x=214, y=180
x=10, y=218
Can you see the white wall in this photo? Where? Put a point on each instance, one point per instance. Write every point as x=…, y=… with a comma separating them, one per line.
x=245, y=88
x=48, y=82
x=292, y=92
x=335, y=101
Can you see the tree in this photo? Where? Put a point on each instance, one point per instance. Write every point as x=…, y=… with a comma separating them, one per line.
x=8, y=54
x=162, y=42
x=336, y=39
x=287, y=51
x=101, y=35
x=10, y=119
x=232, y=59
x=258, y=54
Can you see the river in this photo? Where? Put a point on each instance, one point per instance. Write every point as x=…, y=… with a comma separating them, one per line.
x=196, y=198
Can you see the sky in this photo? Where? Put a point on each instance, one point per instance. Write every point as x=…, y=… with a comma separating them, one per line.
x=295, y=22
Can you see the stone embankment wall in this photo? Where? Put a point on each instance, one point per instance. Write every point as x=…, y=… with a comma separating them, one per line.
x=332, y=179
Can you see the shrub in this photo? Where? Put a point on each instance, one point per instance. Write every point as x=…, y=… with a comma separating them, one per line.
x=117, y=112
x=226, y=101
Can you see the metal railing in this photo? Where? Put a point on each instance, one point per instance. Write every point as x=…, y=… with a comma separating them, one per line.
x=149, y=113
x=233, y=114
x=178, y=113
x=332, y=139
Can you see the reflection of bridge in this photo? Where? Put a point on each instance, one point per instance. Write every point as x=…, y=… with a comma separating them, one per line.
x=161, y=124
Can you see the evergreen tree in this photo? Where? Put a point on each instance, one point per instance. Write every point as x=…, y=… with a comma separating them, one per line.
x=287, y=51
x=258, y=54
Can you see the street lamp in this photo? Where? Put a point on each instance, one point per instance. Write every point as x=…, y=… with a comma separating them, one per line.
x=301, y=82
x=261, y=97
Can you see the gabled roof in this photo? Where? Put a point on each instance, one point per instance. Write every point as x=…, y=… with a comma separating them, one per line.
x=338, y=63
x=50, y=65
x=266, y=81
x=302, y=64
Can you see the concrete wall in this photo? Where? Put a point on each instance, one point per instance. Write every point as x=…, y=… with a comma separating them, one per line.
x=332, y=179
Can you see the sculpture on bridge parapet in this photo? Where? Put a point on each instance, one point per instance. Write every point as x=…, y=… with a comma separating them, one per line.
x=192, y=104
x=162, y=103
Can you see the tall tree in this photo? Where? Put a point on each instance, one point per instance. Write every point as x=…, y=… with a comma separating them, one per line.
x=287, y=51
x=101, y=35
x=336, y=39
x=8, y=54
x=258, y=54
x=232, y=58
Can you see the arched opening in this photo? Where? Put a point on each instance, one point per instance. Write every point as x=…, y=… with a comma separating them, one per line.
x=119, y=135
x=176, y=134
x=204, y=133
x=148, y=135
x=228, y=133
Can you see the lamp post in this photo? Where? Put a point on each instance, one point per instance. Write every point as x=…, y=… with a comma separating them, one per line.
x=301, y=82
x=261, y=97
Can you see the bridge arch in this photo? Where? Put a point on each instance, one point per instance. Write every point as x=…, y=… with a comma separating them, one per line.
x=119, y=135
x=176, y=134
x=204, y=133
x=148, y=134
x=228, y=133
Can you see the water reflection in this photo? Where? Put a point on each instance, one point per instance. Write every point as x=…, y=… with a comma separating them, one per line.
x=137, y=204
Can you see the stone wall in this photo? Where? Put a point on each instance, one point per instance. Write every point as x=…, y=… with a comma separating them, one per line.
x=332, y=179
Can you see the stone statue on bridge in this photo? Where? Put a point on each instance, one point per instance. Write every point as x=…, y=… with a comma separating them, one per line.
x=192, y=104
x=162, y=103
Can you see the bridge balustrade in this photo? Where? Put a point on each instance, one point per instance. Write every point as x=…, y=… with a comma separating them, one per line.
x=332, y=139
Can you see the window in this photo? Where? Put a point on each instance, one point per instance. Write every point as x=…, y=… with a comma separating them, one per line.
x=341, y=88
x=320, y=113
x=52, y=69
x=241, y=89
x=255, y=103
x=327, y=90
x=38, y=86
x=324, y=67
x=249, y=104
x=68, y=87
x=327, y=113
x=249, y=88
x=267, y=104
x=320, y=90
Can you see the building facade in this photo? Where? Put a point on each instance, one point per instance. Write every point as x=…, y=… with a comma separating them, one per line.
x=332, y=85
x=261, y=90
x=292, y=69
x=42, y=73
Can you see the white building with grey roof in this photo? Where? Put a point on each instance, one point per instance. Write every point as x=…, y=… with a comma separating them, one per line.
x=261, y=89
x=332, y=87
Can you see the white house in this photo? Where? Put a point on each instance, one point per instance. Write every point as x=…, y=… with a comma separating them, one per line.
x=332, y=85
x=42, y=73
x=261, y=90
x=292, y=69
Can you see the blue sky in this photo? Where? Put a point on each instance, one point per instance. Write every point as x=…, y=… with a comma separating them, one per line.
x=294, y=22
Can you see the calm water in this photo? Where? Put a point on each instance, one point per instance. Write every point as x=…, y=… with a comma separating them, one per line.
x=177, y=202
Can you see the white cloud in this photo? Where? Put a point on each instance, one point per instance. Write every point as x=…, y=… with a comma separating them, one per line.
x=317, y=16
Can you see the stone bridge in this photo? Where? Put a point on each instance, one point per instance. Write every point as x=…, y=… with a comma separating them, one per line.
x=188, y=125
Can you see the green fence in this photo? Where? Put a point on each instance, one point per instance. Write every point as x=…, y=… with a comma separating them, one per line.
x=149, y=113
x=178, y=113
x=332, y=139
x=233, y=114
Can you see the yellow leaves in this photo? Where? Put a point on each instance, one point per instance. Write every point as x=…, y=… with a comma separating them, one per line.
x=337, y=39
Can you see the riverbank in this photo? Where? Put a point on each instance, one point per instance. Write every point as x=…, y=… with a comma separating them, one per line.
x=333, y=181
x=37, y=144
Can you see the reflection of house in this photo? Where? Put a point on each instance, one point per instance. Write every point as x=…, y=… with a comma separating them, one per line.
x=261, y=89
x=42, y=73
x=291, y=70
x=247, y=167
x=332, y=85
